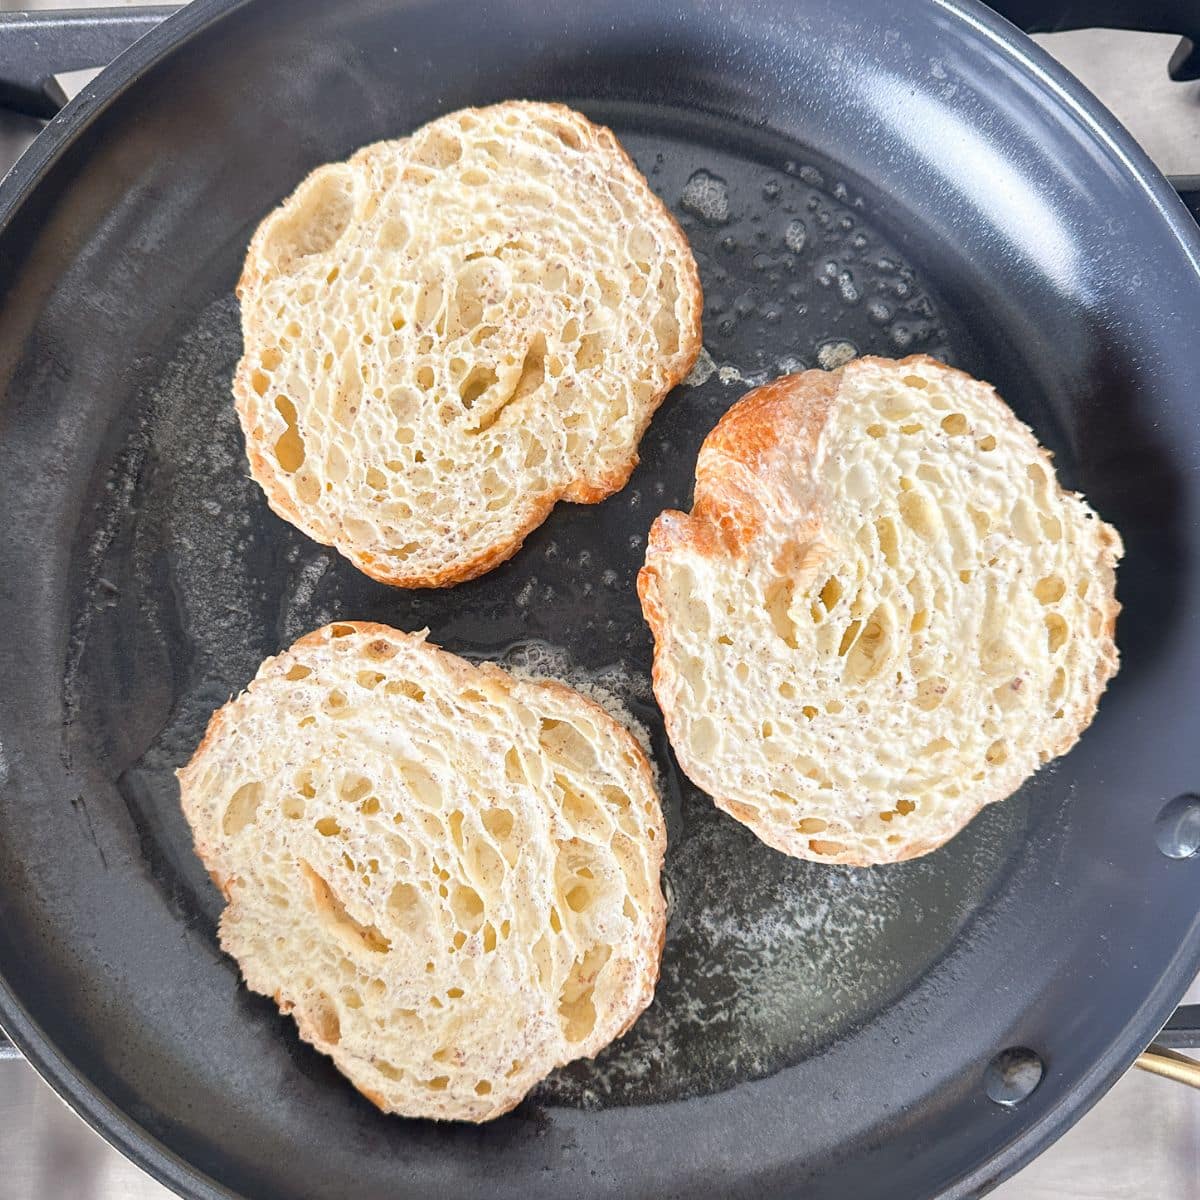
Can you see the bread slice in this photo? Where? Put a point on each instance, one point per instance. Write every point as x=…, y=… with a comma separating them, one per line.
x=881, y=614
x=448, y=876
x=449, y=333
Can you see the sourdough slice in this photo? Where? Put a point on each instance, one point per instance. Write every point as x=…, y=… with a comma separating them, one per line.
x=449, y=876
x=449, y=333
x=881, y=614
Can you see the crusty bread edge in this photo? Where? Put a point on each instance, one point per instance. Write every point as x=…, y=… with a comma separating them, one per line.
x=577, y=491
x=648, y=949
x=746, y=432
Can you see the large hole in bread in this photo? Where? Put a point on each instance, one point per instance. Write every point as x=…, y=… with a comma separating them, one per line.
x=485, y=865
x=334, y=917
x=313, y=221
x=514, y=772
x=567, y=134
x=778, y=604
x=380, y=649
x=616, y=797
x=533, y=369
x=289, y=447
x=477, y=282
x=475, y=385
x=352, y=788
x=849, y=637
x=591, y=351
x=324, y=1016
x=870, y=650
x=437, y=148
x=499, y=823
x=889, y=545
x=584, y=814
x=826, y=849
x=1050, y=590
x=406, y=688
x=666, y=323
x=1056, y=631
x=931, y=692
x=394, y=235
x=574, y=880
x=455, y=823
x=531, y=376
x=830, y=593
x=430, y=307
x=421, y=785
x=997, y=753
x=241, y=809
x=567, y=745
x=920, y=514
x=576, y=1009
x=467, y=907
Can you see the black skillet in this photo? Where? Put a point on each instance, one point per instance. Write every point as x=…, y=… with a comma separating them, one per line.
x=899, y=177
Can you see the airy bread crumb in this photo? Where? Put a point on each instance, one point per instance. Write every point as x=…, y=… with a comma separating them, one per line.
x=449, y=333
x=882, y=613
x=447, y=875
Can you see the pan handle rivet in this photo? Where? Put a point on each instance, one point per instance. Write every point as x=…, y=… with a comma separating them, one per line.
x=1177, y=828
x=1012, y=1075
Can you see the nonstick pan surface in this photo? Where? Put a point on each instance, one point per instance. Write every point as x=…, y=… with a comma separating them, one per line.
x=854, y=178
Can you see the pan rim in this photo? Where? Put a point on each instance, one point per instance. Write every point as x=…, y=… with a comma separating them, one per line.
x=1079, y=108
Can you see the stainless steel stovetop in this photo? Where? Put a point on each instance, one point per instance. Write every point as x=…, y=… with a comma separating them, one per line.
x=1141, y=1142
